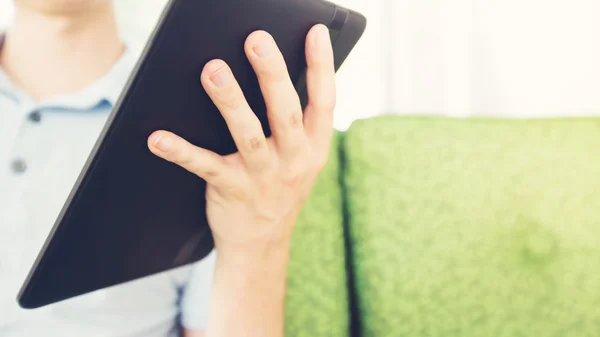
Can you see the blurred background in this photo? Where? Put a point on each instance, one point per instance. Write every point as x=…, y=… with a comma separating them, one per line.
x=459, y=229
x=510, y=58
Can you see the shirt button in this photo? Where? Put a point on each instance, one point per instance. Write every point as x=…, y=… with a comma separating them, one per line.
x=19, y=166
x=35, y=116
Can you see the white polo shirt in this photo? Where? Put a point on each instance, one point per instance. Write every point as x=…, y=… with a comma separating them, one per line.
x=43, y=147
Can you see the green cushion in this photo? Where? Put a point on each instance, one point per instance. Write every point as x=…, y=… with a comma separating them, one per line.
x=475, y=227
x=317, y=294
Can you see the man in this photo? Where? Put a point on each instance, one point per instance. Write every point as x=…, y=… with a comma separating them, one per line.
x=62, y=68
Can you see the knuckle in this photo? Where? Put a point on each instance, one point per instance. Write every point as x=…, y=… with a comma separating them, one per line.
x=233, y=160
x=180, y=156
x=326, y=103
x=254, y=141
x=292, y=119
x=184, y=162
x=212, y=173
x=294, y=175
x=230, y=98
x=295, y=119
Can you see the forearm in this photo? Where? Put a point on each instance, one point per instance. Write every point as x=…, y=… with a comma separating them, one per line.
x=249, y=293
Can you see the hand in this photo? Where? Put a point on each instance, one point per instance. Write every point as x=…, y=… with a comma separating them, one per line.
x=255, y=195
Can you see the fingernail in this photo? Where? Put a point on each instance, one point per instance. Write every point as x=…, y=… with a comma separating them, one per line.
x=264, y=47
x=221, y=77
x=162, y=142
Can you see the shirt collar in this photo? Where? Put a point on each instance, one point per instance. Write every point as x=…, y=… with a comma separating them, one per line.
x=106, y=89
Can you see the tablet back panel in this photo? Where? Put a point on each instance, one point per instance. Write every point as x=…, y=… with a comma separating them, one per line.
x=132, y=214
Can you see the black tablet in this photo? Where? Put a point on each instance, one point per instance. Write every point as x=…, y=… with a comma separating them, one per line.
x=131, y=214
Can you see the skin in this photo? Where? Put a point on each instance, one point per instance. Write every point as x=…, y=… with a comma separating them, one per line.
x=79, y=42
x=254, y=196
x=62, y=7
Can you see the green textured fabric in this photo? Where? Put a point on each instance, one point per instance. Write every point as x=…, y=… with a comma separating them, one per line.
x=317, y=294
x=475, y=227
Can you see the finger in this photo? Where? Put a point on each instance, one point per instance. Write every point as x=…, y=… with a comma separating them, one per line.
x=203, y=163
x=320, y=80
x=281, y=99
x=247, y=132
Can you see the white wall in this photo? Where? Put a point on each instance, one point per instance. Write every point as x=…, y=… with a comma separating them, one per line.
x=514, y=58
x=537, y=58
x=6, y=12
x=526, y=58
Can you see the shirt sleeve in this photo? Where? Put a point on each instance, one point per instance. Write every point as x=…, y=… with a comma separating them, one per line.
x=196, y=294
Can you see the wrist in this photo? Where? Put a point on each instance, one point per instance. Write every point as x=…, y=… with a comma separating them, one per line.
x=271, y=245
x=254, y=255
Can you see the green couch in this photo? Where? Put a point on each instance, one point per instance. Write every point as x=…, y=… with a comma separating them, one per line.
x=440, y=227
